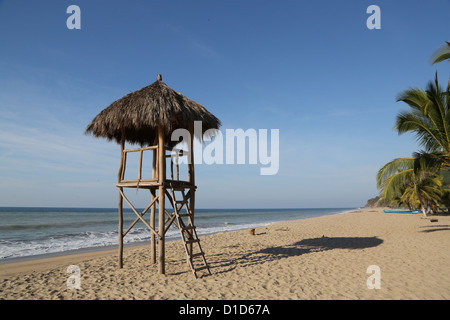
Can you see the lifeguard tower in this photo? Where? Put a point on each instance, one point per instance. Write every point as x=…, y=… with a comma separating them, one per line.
x=148, y=117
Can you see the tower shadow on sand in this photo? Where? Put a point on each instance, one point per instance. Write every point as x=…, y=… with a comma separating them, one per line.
x=225, y=263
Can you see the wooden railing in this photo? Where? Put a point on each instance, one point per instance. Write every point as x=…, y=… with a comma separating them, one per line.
x=174, y=159
x=178, y=153
x=141, y=152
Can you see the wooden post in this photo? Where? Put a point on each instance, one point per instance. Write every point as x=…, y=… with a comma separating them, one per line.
x=120, y=231
x=191, y=172
x=162, y=196
x=119, y=177
x=152, y=224
x=191, y=179
x=153, y=211
x=140, y=164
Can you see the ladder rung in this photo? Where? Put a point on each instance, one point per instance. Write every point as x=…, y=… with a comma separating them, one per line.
x=192, y=241
x=185, y=215
x=201, y=268
x=188, y=227
x=200, y=254
x=181, y=201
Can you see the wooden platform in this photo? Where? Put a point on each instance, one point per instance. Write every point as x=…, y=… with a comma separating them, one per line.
x=154, y=184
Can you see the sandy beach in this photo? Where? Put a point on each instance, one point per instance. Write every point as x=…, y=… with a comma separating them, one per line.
x=318, y=258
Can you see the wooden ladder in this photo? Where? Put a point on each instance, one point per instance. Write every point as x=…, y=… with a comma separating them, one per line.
x=197, y=260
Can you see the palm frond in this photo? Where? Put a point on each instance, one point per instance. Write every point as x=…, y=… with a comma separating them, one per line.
x=394, y=176
x=424, y=191
x=428, y=117
x=443, y=53
x=425, y=133
x=393, y=167
x=428, y=162
x=414, y=97
x=438, y=111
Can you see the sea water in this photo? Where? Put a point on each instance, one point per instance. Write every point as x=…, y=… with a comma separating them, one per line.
x=28, y=232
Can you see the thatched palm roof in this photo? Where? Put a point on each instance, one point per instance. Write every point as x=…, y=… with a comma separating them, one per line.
x=138, y=114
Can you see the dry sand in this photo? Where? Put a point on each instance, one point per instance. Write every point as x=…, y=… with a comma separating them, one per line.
x=318, y=258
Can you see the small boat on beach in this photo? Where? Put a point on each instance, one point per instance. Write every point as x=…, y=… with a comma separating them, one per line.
x=401, y=211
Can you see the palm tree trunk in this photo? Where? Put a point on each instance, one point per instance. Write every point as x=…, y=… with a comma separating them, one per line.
x=424, y=212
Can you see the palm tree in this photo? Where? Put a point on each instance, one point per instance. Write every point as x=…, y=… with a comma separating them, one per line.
x=413, y=181
x=403, y=181
x=424, y=193
x=416, y=181
x=442, y=53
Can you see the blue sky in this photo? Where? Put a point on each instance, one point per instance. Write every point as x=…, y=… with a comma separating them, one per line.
x=311, y=69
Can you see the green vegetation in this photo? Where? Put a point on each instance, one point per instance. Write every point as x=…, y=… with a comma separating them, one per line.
x=376, y=202
x=422, y=181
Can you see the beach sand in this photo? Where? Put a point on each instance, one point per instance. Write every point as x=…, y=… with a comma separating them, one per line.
x=319, y=258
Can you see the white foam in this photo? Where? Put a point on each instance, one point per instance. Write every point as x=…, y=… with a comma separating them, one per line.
x=60, y=244
x=98, y=240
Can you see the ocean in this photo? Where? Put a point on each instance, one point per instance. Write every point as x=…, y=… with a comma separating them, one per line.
x=30, y=232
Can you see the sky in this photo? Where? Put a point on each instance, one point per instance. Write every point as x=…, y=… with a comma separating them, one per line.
x=311, y=69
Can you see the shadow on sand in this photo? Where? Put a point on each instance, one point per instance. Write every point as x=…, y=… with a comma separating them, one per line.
x=224, y=263
x=434, y=228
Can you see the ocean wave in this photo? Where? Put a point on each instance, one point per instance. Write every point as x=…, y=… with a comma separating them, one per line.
x=44, y=237
x=86, y=240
